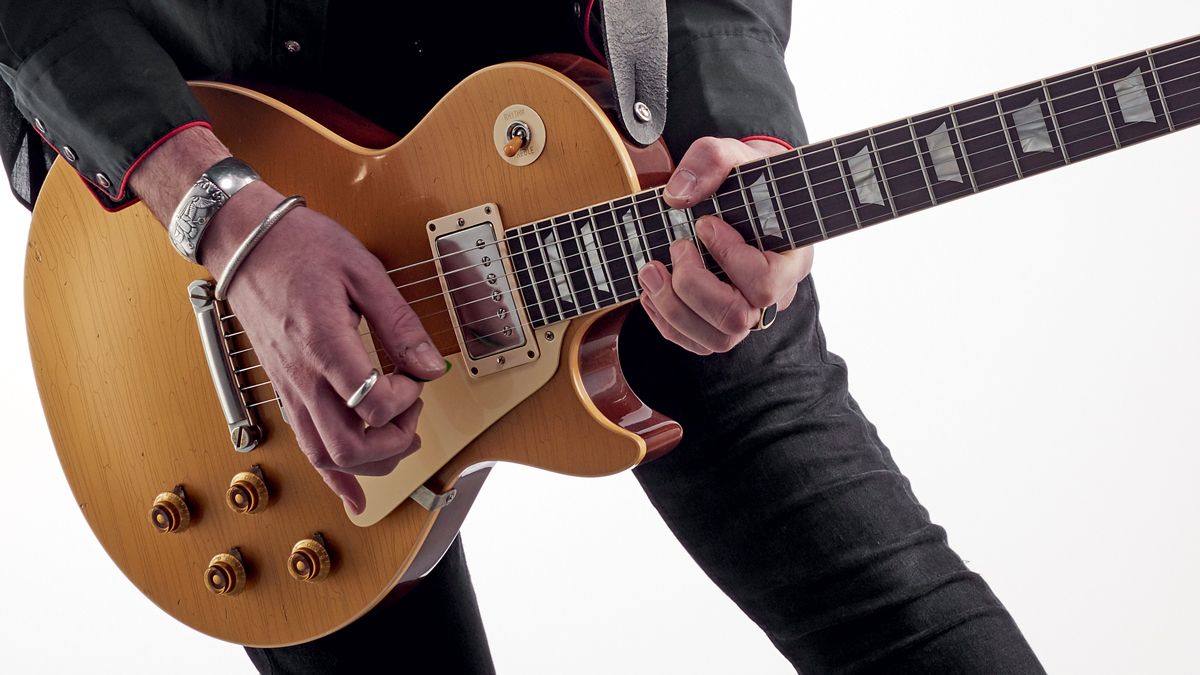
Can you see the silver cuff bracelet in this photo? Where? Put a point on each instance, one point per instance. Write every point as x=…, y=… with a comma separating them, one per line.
x=201, y=203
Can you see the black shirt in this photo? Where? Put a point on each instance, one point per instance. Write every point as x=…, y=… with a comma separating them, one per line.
x=100, y=81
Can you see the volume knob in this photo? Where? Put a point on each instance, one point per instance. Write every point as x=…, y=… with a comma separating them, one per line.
x=309, y=561
x=226, y=575
x=170, y=513
x=247, y=493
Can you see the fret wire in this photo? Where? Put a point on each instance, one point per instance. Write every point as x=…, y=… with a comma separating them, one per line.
x=912, y=132
x=550, y=271
x=537, y=293
x=1004, y=123
x=563, y=255
x=851, y=196
x=1162, y=95
x=887, y=189
x=532, y=280
x=750, y=212
x=775, y=202
x=1062, y=143
x=603, y=258
x=965, y=153
x=812, y=193
x=1107, y=110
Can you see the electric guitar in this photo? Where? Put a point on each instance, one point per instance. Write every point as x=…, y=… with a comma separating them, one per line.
x=513, y=218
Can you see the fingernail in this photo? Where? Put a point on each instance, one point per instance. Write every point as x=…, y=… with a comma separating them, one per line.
x=354, y=508
x=652, y=280
x=681, y=184
x=421, y=379
x=427, y=358
x=706, y=229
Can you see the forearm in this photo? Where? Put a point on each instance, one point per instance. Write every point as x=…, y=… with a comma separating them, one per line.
x=167, y=174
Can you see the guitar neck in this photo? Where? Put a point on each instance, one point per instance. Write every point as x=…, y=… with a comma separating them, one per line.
x=587, y=260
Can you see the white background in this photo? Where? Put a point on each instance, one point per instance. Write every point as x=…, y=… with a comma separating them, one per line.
x=1027, y=354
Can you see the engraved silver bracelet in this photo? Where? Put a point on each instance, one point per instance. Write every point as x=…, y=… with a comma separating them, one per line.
x=260, y=231
x=215, y=187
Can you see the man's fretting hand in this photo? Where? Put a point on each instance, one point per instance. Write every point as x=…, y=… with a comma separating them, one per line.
x=692, y=307
x=299, y=296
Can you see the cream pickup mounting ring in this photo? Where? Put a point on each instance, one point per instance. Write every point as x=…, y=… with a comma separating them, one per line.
x=517, y=120
x=480, y=289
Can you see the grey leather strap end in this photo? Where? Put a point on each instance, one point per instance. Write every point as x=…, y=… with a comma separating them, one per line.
x=635, y=44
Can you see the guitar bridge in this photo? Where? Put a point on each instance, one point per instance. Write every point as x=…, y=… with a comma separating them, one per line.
x=244, y=434
x=480, y=289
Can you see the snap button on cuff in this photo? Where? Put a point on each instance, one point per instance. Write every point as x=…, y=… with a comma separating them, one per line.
x=69, y=154
x=103, y=181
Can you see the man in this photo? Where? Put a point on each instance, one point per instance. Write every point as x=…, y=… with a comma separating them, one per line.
x=781, y=490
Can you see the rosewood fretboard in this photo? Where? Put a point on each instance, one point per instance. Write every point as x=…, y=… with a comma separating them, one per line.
x=586, y=260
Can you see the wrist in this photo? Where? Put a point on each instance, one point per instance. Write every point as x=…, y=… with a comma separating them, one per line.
x=233, y=223
x=168, y=173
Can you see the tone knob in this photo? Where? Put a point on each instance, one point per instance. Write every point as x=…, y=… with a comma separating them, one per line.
x=309, y=561
x=226, y=575
x=170, y=513
x=247, y=493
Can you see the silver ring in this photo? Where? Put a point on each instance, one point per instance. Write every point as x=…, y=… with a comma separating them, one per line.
x=767, y=316
x=363, y=389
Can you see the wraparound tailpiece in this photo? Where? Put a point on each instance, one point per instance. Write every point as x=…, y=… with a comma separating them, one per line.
x=243, y=433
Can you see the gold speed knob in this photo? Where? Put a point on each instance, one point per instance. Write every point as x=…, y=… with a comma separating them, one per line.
x=226, y=575
x=309, y=561
x=170, y=513
x=247, y=493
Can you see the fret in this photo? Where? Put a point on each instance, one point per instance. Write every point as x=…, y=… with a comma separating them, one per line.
x=904, y=172
x=706, y=207
x=829, y=187
x=525, y=284
x=837, y=156
x=760, y=193
x=734, y=210
x=1081, y=115
x=989, y=154
x=752, y=220
x=941, y=153
x=572, y=263
x=966, y=153
x=654, y=226
x=1054, y=121
x=1033, y=138
x=1158, y=86
x=1108, y=113
x=592, y=258
x=883, y=172
x=1128, y=89
x=1008, y=135
x=777, y=205
x=621, y=243
x=551, y=304
x=868, y=190
x=1179, y=72
x=799, y=209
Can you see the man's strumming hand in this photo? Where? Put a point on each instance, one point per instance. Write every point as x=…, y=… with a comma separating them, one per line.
x=299, y=295
x=692, y=307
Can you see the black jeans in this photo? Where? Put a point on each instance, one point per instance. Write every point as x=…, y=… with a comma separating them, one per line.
x=785, y=496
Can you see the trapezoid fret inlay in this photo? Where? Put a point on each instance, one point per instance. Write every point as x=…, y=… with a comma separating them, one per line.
x=1133, y=99
x=941, y=151
x=1031, y=128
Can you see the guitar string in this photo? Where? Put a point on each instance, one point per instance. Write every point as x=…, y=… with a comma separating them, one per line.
x=584, y=251
x=989, y=100
x=632, y=277
x=1043, y=86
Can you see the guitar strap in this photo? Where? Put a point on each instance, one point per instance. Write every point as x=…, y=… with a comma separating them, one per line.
x=635, y=44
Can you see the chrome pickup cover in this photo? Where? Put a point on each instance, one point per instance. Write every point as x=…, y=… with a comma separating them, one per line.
x=478, y=285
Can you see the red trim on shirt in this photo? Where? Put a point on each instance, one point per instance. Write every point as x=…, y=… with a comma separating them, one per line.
x=785, y=144
x=129, y=171
x=587, y=33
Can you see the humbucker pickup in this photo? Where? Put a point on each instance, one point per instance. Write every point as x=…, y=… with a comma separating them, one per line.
x=480, y=290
